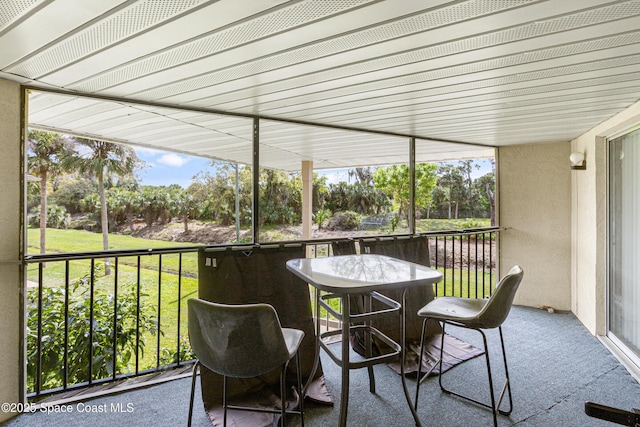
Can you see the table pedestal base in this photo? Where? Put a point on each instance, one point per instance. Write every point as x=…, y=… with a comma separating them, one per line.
x=343, y=360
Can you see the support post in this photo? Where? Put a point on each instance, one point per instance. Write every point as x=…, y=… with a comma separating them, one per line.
x=307, y=198
x=13, y=135
x=255, y=168
x=412, y=186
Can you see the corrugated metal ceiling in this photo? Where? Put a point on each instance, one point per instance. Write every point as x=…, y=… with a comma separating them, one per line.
x=484, y=72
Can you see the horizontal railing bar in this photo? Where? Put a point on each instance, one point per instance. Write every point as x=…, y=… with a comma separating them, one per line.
x=103, y=381
x=327, y=240
x=35, y=258
x=462, y=231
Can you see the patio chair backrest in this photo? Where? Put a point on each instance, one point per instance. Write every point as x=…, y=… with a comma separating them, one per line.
x=241, y=341
x=497, y=308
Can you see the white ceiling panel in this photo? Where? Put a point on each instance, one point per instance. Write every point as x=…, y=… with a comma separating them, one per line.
x=339, y=82
x=367, y=49
x=194, y=56
x=28, y=28
x=209, y=16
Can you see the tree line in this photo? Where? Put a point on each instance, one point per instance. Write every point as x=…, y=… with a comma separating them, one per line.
x=82, y=175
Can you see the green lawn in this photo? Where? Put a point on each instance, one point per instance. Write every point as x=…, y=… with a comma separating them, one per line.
x=64, y=241
x=467, y=286
x=152, y=283
x=86, y=241
x=429, y=224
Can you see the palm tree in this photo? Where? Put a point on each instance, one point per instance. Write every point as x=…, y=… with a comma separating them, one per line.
x=100, y=160
x=185, y=207
x=44, y=161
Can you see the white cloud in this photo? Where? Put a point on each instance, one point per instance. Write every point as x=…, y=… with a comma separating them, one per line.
x=171, y=159
x=145, y=151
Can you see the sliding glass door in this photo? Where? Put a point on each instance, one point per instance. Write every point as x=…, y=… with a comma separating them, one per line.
x=624, y=243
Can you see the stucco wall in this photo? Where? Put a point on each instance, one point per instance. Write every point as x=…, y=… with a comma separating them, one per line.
x=10, y=302
x=589, y=221
x=535, y=207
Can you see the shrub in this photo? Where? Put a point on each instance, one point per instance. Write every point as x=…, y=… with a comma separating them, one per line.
x=57, y=217
x=343, y=221
x=394, y=220
x=83, y=223
x=170, y=356
x=79, y=345
x=71, y=192
x=470, y=223
x=321, y=217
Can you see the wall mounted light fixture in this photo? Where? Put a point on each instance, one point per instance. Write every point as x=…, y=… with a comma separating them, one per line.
x=577, y=161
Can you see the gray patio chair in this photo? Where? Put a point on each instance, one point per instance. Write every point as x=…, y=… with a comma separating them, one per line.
x=475, y=314
x=242, y=341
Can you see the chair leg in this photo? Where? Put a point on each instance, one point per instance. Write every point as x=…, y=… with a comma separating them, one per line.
x=507, y=384
x=368, y=338
x=193, y=388
x=495, y=406
x=300, y=393
x=283, y=395
x=441, y=359
x=494, y=409
x=421, y=377
x=224, y=401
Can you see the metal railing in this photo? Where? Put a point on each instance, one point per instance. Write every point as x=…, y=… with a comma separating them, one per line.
x=87, y=328
x=467, y=259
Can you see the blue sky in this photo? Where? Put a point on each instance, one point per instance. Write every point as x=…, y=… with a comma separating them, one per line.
x=164, y=168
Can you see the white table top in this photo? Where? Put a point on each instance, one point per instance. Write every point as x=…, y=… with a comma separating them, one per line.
x=361, y=273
